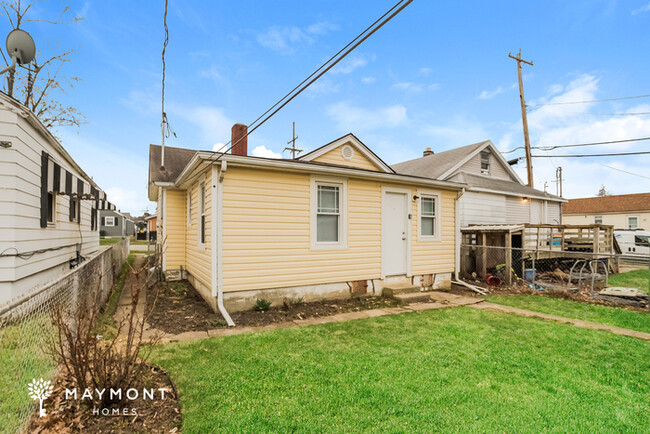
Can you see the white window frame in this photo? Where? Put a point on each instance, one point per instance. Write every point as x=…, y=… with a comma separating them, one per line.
x=112, y=225
x=485, y=171
x=200, y=213
x=189, y=207
x=342, y=183
x=437, y=236
x=596, y=217
x=627, y=218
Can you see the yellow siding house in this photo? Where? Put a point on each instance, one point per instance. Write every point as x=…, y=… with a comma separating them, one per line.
x=334, y=221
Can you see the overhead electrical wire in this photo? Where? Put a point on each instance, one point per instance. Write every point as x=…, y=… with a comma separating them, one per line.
x=620, y=170
x=617, y=154
x=550, y=148
x=396, y=9
x=588, y=102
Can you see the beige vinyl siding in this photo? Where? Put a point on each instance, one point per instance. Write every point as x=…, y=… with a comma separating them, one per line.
x=616, y=219
x=266, y=233
x=175, y=225
x=197, y=257
x=497, y=171
x=430, y=257
x=358, y=160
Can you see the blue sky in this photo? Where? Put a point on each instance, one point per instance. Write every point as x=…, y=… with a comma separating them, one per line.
x=436, y=76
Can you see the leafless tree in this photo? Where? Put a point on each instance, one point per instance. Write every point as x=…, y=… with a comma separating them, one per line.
x=603, y=191
x=40, y=85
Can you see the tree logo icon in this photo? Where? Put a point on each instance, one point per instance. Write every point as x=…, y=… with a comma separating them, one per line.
x=40, y=390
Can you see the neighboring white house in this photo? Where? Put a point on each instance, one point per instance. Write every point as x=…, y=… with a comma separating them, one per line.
x=623, y=211
x=48, y=205
x=494, y=195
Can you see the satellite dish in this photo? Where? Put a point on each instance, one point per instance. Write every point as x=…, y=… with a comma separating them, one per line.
x=20, y=45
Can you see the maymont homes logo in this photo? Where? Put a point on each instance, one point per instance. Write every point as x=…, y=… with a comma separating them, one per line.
x=40, y=390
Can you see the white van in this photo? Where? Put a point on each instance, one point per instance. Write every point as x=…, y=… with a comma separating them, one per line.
x=633, y=242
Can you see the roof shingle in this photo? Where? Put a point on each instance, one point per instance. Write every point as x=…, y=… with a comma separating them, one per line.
x=618, y=203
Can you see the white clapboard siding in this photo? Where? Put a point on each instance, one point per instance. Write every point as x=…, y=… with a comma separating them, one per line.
x=554, y=213
x=20, y=212
x=482, y=208
x=497, y=171
x=517, y=210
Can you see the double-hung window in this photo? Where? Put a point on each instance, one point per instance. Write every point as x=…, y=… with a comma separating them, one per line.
x=328, y=218
x=485, y=162
x=109, y=221
x=328, y=214
x=632, y=222
x=598, y=220
x=429, y=216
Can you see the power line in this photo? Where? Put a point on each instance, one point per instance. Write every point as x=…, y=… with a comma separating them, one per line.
x=621, y=170
x=618, y=154
x=607, y=114
x=321, y=73
x=550, y=148
x=587, y=102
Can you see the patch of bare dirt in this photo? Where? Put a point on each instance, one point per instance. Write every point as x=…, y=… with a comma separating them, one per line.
x=178, y=308
x=138, y=415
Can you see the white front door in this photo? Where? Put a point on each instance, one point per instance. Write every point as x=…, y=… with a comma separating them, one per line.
x=394, y=233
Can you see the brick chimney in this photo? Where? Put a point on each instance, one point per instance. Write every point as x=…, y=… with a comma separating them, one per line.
x=428, y=151
x=238, y=133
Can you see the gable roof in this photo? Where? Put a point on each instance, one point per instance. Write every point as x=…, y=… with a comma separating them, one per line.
x=444, y=164
x=351, y=138
x=175, y=161
x=478, y=182
x=619, y=203
x=436, y=165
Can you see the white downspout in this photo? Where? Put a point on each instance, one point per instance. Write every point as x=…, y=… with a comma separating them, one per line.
x=458, y=233
x=217, y=238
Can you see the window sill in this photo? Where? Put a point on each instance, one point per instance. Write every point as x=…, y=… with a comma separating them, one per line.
x=327, y=246
x=428, y=238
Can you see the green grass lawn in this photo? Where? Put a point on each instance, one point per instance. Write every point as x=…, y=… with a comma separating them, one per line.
x=451, y=370
x=613, y=316
x=139, y=242
x=23, y=357
x=639, y=279
x=105, y=324
x=109, y=241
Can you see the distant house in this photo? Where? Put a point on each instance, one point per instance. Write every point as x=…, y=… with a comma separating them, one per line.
x=494, y=193
x=115, y=224
x=152, y=227
x=48, y=205
x=624, y=211
x=334, y=221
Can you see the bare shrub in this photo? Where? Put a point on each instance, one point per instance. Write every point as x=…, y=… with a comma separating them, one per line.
x=94, y=361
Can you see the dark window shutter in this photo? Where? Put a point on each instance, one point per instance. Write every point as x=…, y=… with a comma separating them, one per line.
x=103, y=221
x=72, y=207
x=68, y=183
x=80, y=192
x=45, y=159
x=56, y=187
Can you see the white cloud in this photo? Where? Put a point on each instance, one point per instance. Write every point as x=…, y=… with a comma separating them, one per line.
x=351, y=118
x=489, y=94
x=414, y=87
x=323, y=86
x=322, y=28
x=349, y=65
x=283, y=39
x=577, y=123
x=425, y=72
x=145, y=102
x=286, y=39
x=456, y=132
x=642, y=9
x=211, y=121
x=219, y=147
x=262, y=151
x=368, y=80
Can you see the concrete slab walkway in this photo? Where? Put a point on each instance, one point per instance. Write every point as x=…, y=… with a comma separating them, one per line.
x=442, y=300
x=575, y=322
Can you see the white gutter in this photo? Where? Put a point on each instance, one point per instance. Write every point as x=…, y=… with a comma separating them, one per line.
x=301, y=166
x=507, y=193
x=458, y=233
x=217, y=239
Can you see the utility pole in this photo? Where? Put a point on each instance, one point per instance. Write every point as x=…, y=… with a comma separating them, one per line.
x=293, y=149
x=558, y=181
x=524, y=118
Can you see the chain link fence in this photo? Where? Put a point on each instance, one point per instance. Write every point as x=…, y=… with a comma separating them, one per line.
x=545, y=269
x=26, y=329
